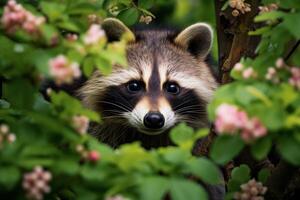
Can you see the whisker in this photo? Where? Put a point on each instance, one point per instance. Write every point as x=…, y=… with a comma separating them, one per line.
x=123, y=107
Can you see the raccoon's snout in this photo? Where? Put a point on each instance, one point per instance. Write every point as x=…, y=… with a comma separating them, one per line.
x=154, y=120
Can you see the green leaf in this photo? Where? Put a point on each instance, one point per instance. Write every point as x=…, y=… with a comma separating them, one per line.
x=292, y=24
x=204, y=169
x=272, y=117
x=263, y=175
x=233, y=186
x=289, y=4
x=184, y=189
x=91, y=173
x=104, y=65
x=154, y=188
x=261, y=148
x=175, y=155
x=269, y=16
x=39, y=150
x=260, y=31
x=32, y=162
x=181, y=133
x=19, y=93
x=129, y=16
x=53, y=10
x=67, y=166
x=9, y=176
x=225, y=148
x=289, y=149
x=88, y=66
x=146, y=3
x=241, y=173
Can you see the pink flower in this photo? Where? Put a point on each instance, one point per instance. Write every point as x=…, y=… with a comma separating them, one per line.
x=36, y=183
x=94, y=34
x=248, y=73
x=81, y=123
x=62, y=70
x=295, y=78
x=93, y=156
x=229, y=119
x=71, y=37
x=11, y=138
x=271, y=74
x=238, y=67
x=252, y=190
x=253, y=129
x=4, y=129
x=16, y=17
x=6, y=135
x=279, y=63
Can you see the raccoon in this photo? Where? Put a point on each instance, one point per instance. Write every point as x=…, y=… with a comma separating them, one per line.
x=168, y=80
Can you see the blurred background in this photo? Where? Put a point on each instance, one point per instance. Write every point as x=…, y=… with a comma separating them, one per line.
x=182, y=13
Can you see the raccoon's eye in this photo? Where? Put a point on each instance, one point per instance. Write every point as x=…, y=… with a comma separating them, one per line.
x=134, y=86
x=172, y=88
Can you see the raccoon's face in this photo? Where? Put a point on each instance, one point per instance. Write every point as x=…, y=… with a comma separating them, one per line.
x=167, y=80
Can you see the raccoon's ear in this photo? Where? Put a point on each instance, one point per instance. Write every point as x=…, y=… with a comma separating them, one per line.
x=114, y=30
x=197, y=39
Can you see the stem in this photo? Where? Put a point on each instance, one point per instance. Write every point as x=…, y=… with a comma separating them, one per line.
x=294, y=48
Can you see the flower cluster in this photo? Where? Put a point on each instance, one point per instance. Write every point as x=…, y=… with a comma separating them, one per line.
x=36, y=183
x=239, y=6
x=92, y=156
x=80, y=123
x=246, y=72
x=230, y=120
x=294, y=80
x=62, y=70
x=71, y=37
x=16, y=17
x=117, y=197
x=268, y=8
x=5, y=134
x=272, y=75
x=146, y=19
x=252, y=190
x=294, y=73
x=94, y=34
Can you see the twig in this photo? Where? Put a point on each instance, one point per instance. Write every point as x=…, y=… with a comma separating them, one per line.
x=294, y=48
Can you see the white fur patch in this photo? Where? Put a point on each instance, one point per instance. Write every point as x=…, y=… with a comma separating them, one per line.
x=136, y=116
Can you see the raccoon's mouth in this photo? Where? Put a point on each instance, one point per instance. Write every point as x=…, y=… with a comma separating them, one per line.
x=148, y=131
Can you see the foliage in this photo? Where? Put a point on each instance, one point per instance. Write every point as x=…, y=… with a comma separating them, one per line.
x=59, y=37
x=39, y=137
x=268, y=92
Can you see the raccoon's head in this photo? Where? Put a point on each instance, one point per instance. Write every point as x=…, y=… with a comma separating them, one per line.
x=167, y=80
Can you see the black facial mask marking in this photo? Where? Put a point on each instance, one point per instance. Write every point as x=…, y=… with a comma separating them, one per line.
x=117, y=100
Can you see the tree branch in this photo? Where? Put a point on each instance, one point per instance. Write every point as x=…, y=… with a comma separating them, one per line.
x=233, y=43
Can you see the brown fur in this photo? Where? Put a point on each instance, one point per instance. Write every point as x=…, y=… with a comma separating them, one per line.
x=174, y=62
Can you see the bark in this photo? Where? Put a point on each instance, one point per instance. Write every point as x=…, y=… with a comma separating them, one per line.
x=233, y=44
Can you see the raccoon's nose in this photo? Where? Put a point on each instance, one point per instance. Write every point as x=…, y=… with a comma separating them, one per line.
x=154, y=120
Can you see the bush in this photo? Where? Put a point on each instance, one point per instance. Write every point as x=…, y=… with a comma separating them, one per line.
x=46, y=153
